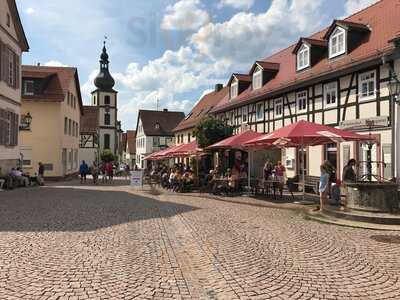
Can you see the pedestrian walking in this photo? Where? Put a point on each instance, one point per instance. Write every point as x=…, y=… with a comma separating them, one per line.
x=83, y=171
x=94, y=170
x=323, y=186
x=40, y=177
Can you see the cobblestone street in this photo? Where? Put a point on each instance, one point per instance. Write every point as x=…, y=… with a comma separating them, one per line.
x=108, y=243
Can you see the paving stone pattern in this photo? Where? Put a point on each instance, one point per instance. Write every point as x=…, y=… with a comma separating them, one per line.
x=107, y=243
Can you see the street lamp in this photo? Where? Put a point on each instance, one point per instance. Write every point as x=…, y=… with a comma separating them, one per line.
x=394, y=87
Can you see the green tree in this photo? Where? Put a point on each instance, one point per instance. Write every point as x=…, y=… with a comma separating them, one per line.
x=211, y=130
x=107, y=156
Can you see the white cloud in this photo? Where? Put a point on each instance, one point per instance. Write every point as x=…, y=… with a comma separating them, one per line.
x=247, y=36
x=238, y=4
x=352, y=6
x=30, y=11
x=185, y=15
x=55, y=63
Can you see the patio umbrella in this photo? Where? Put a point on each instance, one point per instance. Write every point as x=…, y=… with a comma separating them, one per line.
x=237, y=142
x=302, y=134
x=191, y=148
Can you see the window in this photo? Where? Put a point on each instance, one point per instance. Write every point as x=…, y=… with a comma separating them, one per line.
x=28, y=87
x=69, y=127
x=244, y=114
x=189, y=136
x=26, y=154
x=330, y=94
x=367, y=85
x=234, y=89
x=106, y=141
x=278, y=108
x=11, y=68
x=9, y=128
x=65, y=126
x=257, y=78
x=260, y=111
x=74, y=102
x=107, y=120
x=337, y=44
x=94, y=100
x=107, y=100
x=301, y=101
x=156, y=141
x=303, y=57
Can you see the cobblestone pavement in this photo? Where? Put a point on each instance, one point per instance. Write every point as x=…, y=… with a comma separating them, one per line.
x=107, y=243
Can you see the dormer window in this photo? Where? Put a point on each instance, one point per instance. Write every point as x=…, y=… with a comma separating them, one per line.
x=28, y=87
x=234, y=89
x=337, y=42
x=303, y=57
x=257, y=78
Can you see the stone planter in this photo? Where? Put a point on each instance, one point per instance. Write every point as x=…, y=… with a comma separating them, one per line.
x=373, y=197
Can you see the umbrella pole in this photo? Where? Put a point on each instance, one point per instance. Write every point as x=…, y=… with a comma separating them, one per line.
x=249, y=170
x=303, y=170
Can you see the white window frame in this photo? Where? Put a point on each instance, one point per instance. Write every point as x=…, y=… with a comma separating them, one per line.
x=303, y=57
x=301, y=99
x=362, y=80
x=330, y=89
x=278, y=102
x=25, y=87
x=257, y=78
x=234, y=89
x=258, y=105
x=245, y=112
x=334, y=49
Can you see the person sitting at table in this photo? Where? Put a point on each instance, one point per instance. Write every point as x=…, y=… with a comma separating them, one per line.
x=18, y=177
x=280, y=171
x=178, y=182
x=233, y=177
x=268, y=169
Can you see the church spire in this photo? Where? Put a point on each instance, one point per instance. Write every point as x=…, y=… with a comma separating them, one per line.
x=104, y=80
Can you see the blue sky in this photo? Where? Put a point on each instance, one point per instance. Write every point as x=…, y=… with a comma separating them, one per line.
x=173, y=50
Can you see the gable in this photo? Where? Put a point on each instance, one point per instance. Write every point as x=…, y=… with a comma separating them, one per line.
x=14, y=30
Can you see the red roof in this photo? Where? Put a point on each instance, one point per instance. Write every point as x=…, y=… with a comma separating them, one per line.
x=131, y=141
x=383, y=20
x=236, y=141
x=55, y=83
x=307, y=134
x=201, y=109
x=89, y=120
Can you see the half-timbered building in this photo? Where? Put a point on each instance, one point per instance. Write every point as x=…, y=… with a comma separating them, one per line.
x=335, y=77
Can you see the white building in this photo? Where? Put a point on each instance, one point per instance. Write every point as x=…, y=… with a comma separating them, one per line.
x=12, y=43
x=100, y=124
x=154, y=131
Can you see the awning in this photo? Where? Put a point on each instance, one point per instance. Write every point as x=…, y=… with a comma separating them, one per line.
x=191, y=148
x=236, y=141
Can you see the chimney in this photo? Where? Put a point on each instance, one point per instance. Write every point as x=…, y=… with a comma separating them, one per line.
x=165, y=110
x=218, y=87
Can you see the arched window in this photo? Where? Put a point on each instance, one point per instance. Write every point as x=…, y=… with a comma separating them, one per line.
x=106, y=141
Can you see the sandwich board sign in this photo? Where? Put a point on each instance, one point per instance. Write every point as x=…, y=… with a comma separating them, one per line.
x=136, y=179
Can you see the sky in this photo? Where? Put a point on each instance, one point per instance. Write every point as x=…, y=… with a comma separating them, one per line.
x=170, y=50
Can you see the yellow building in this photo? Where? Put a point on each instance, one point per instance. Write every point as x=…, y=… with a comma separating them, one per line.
x=51, y=97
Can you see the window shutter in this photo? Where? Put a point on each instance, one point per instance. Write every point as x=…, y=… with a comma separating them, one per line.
x=16, y=73
x=1, y=65
x=4, y=62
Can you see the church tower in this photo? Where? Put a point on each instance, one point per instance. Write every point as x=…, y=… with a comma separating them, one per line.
x=105, y=98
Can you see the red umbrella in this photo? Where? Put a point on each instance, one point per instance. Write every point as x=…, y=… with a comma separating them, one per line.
x=305, y=133
x=159, y=154
x=184, y=150
x=236, y=141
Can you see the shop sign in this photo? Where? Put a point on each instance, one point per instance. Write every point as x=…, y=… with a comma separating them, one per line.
x=369, y=123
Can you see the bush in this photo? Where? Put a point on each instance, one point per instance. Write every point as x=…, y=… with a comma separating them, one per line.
x=107, y=156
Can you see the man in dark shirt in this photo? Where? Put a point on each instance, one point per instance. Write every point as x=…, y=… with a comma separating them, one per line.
x=349, y=175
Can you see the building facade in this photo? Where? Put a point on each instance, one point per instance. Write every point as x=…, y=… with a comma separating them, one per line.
x=154, y=132
x=51, y=97
x=12, y=44
x=104, y=106
x=337, y=77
